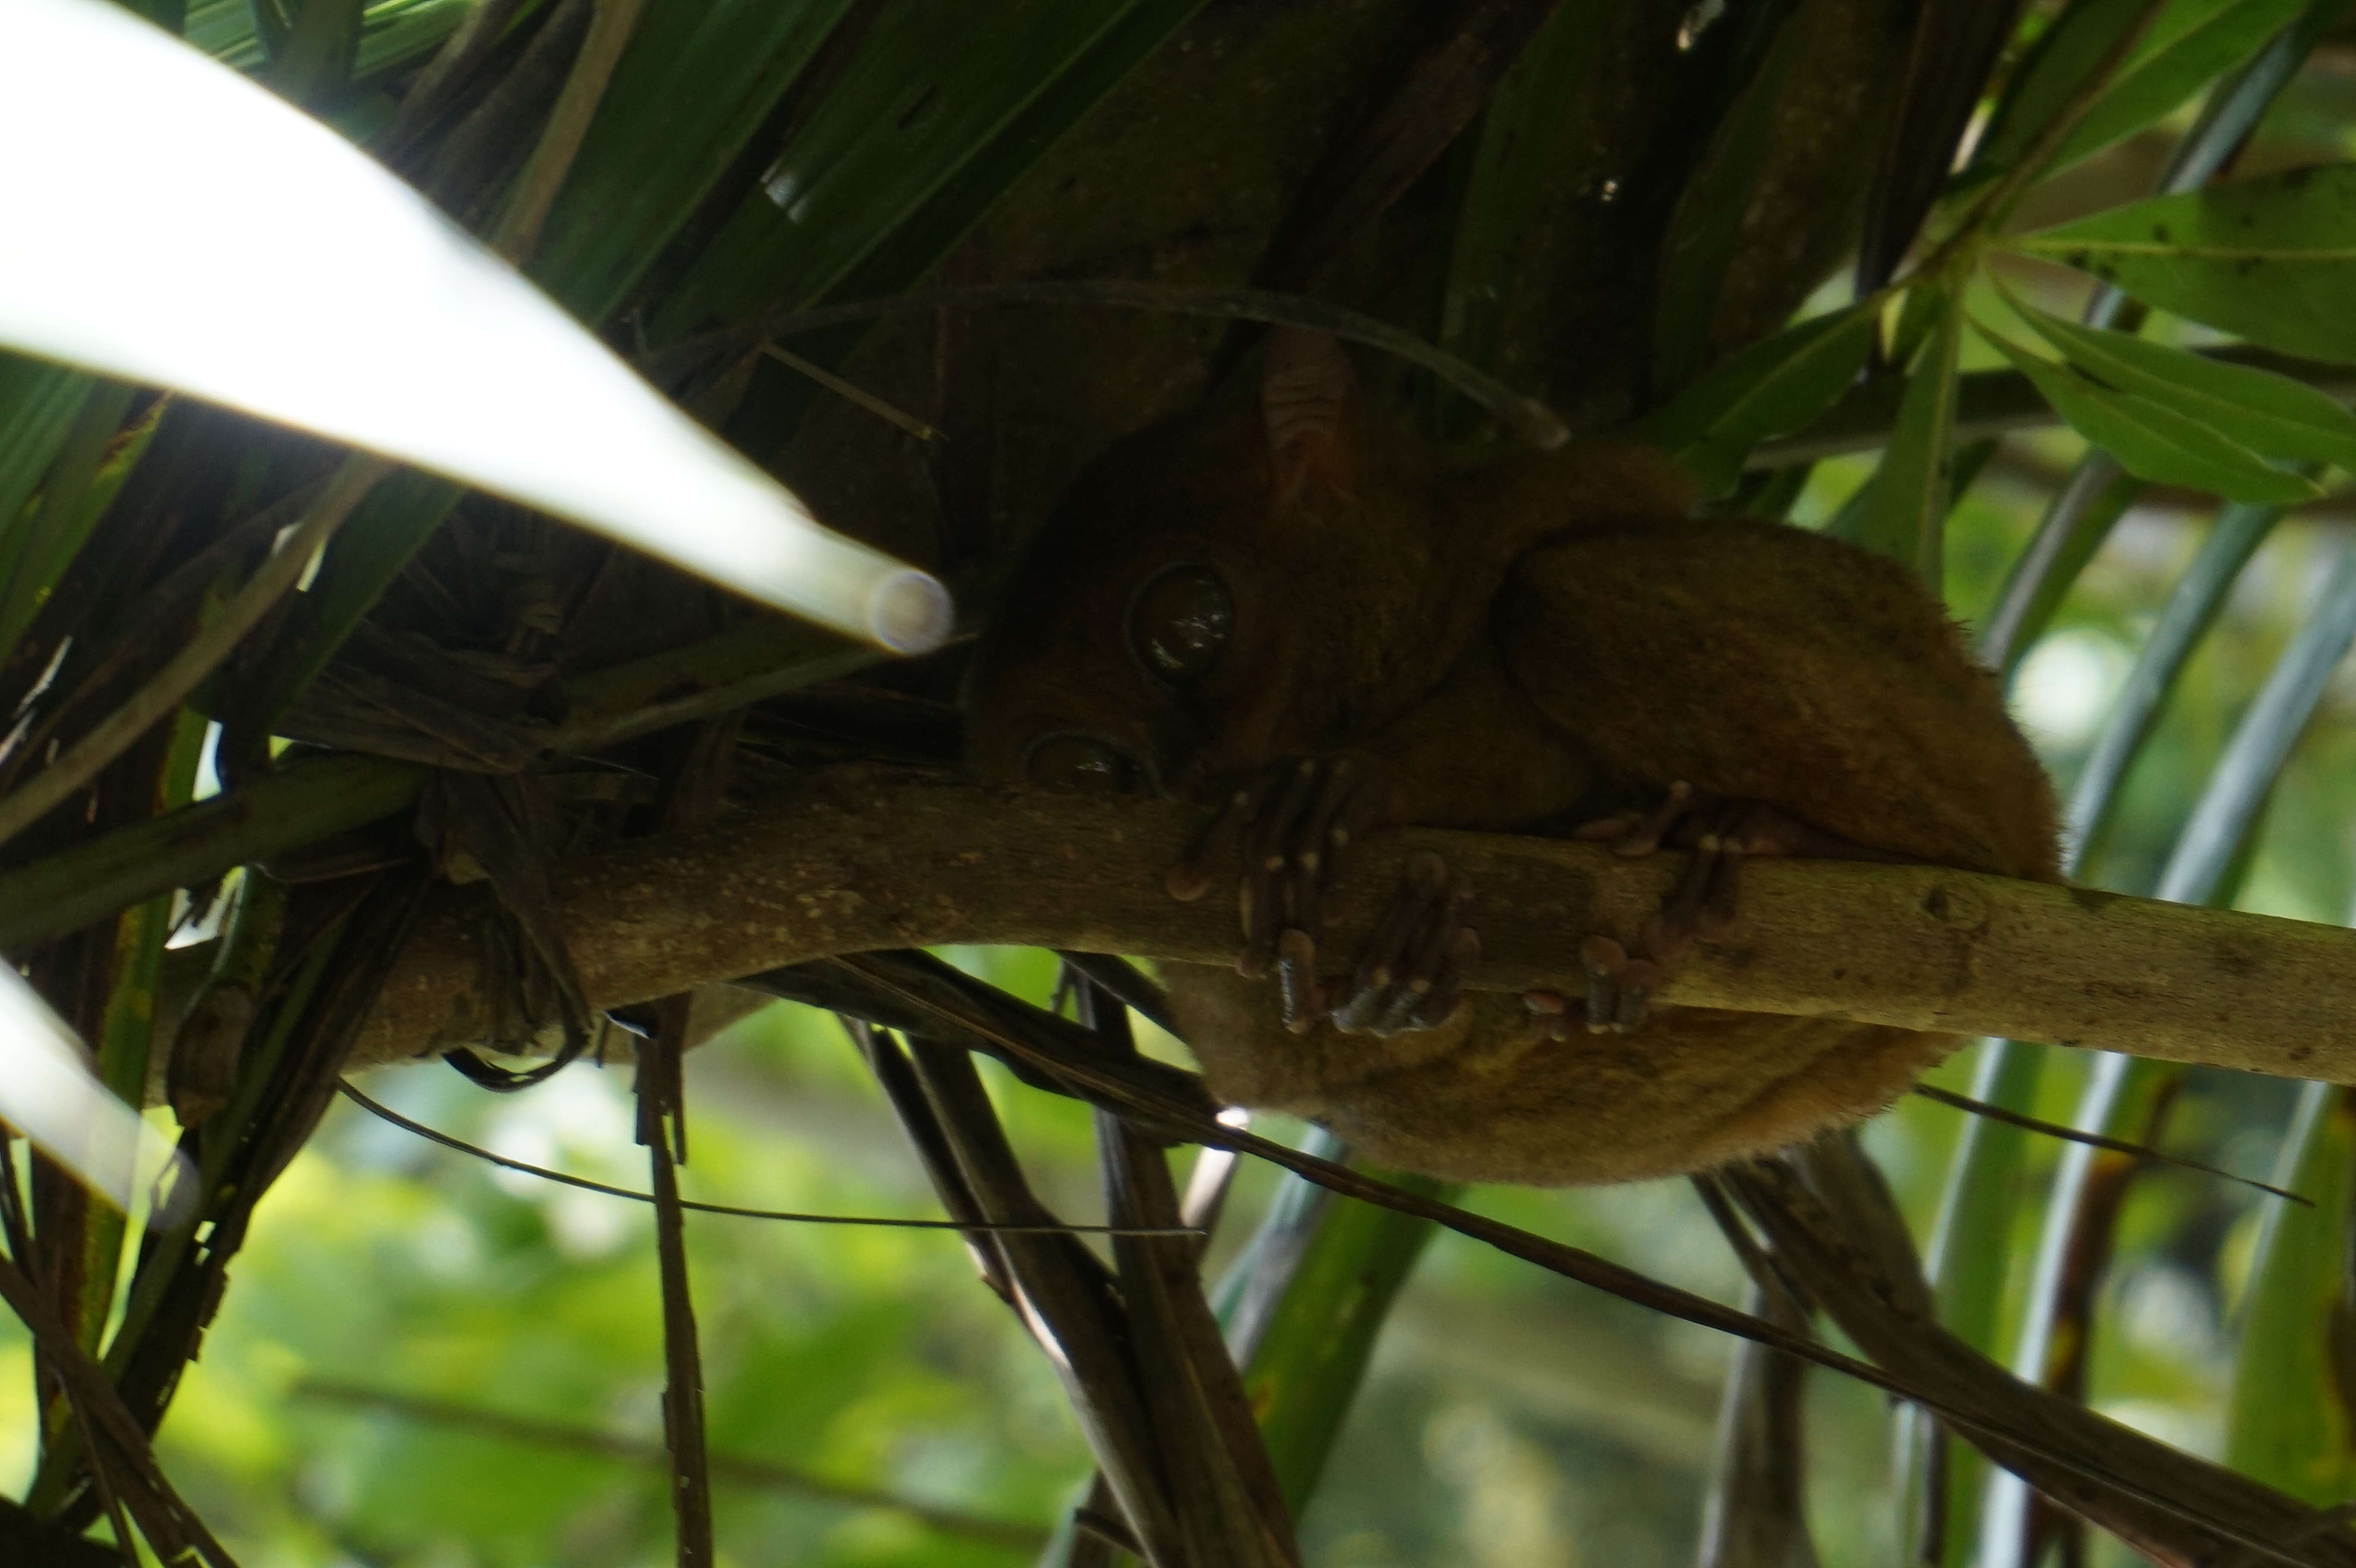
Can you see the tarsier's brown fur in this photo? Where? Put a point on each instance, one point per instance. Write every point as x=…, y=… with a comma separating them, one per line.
x=1521, y=643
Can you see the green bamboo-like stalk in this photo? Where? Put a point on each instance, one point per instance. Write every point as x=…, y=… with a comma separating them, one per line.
x=1304, y=1304
x=2288, y=1422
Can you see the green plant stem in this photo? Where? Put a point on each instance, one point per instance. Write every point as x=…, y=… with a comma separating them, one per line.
x=301, y=804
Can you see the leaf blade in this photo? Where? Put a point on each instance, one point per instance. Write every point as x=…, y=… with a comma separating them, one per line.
x=1772, y=387
x=2272, y=258
x=1905, y=513
x=2189, y=46
x=2151, y=440
x=2270, y=414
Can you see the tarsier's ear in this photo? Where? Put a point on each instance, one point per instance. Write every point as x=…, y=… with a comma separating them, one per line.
x=1308, y=396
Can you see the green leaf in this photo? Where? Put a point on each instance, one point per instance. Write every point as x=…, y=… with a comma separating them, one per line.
x=2064, y=55
x=1773, y=387
x=2272, y=415
x=2188, y=45
x=2272, y=258
x=746, y=268
x=2192, y=44
x=39, y=407
x=1906, y=515
x=2153, y=440
x=694, y=86
x=929, y=91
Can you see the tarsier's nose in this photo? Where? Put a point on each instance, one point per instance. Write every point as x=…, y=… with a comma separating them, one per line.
x=1066, y=760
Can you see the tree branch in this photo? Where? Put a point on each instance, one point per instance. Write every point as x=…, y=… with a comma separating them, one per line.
x=851, y=860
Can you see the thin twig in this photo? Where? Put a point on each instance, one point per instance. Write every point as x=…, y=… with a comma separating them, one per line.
x=433, y=1135
x=2096, y=1140
x=662, y=1117
x=517, y=234
x=859, y=397
x=171, y=685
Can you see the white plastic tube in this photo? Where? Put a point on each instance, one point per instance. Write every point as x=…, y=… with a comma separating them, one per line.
x=165, y=220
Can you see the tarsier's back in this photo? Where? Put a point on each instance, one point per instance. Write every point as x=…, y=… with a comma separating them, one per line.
x=1522, y=647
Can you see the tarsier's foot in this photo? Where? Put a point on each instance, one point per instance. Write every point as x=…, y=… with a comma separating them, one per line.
x=1411, y=971
x=1291, y=823
x=1721, y=834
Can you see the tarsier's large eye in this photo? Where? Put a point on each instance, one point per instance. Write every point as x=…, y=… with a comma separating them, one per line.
x=1179, y=624
x=1080, y=763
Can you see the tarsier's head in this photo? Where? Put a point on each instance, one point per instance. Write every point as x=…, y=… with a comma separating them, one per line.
x=1168, y=623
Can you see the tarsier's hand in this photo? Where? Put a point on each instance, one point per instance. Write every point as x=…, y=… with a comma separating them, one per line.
x=1721, y=834
x=1290, y=825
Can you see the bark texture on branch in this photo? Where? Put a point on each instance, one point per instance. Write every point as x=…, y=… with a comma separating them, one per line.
x=853, y=860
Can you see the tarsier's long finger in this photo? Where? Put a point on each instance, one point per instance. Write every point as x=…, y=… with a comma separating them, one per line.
x=1637, y=982
x=1431, y=992
x=1673, y=928
x=1215, y=849
x=1448, y=990
x=1296, y=970
x=1311, y=862
x=1375, y=803
x=1619, y=988
x=1602, y=961
x=1419, y=967
x=1383, y=956
x=1267, y=907
x=1605, y=827
x=1641, y=833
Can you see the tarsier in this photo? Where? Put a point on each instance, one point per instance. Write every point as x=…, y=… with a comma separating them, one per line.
x=1290, y=606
